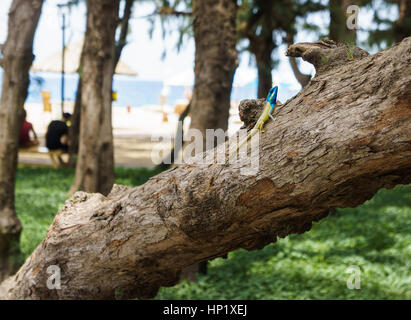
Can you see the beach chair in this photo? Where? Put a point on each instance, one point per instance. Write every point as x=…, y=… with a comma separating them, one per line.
x=179, y=108
x=45, y=95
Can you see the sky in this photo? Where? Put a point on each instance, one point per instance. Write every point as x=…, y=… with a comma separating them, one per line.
x=144, y=54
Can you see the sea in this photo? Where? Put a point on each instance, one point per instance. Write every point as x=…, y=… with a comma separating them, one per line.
x=131, y=91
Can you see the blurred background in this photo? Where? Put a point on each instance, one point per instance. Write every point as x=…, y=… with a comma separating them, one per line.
x=155, y=77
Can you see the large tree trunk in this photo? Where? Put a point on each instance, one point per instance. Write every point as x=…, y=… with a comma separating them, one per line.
x=343, y=137
x=338, y=22
x=120, y=44
x=17, y=59
x=95, y=164
x=215, y=63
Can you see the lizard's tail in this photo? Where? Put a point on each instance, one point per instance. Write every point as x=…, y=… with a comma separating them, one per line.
x=233, y=155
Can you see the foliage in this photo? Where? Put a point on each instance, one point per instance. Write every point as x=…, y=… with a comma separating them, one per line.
x=376, y=236
x=388, y=30
x=175, y=15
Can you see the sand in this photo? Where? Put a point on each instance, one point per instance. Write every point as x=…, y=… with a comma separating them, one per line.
x=136, y=131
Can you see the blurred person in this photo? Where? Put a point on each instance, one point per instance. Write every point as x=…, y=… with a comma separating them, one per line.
x=24, y=138
x=57, y=134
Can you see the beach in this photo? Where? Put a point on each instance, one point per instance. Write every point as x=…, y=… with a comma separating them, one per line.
x=136, y=131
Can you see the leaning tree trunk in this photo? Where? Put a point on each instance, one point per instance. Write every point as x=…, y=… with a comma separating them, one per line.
x=215, y=63
x=343, y=137
x=95, y=164
x=17, y=59
x=338, y=22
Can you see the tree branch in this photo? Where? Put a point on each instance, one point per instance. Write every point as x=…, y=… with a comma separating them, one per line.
x=164, y=11
x=124, y=27
x=343, y=137
x=302, y=78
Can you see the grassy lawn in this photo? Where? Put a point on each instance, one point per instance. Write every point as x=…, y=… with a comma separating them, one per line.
x=375, y=236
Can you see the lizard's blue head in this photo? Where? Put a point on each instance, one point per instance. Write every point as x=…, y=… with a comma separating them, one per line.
x=272, y=95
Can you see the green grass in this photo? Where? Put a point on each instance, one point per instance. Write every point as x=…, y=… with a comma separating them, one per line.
x=375, y=236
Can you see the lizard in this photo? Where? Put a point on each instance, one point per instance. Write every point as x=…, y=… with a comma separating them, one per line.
x=265, y=115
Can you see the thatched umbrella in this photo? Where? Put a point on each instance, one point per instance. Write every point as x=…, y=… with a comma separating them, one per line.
x=72, y=61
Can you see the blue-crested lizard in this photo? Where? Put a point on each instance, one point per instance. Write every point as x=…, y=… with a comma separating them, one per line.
x=267, y=113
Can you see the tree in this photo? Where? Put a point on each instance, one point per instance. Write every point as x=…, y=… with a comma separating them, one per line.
x=345, y=136
x=259, y=21
x=338, y=20
x=338, y=17
x=17, y=59
x=95, y=164
x=121, y=42
x=215, y=63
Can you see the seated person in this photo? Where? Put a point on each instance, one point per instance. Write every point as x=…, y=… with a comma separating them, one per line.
x=24, y=138
x=57, y=132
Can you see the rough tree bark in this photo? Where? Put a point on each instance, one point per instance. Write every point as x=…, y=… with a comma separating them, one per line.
x=95, y=163
x=17, y=59
x=343, y=137
x=215, y=63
